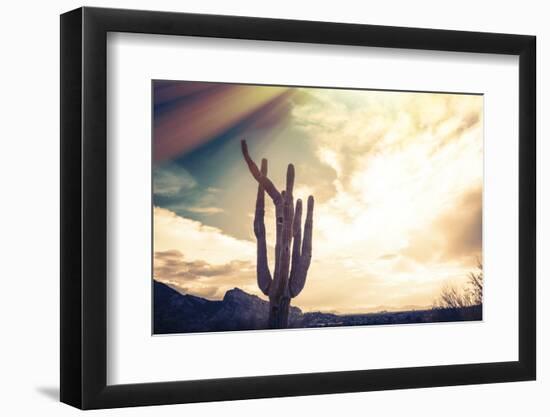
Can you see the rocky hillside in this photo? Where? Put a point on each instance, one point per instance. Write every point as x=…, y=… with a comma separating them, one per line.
x=177, y=313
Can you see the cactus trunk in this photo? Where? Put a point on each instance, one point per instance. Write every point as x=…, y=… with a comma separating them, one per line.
x=292, y=255
x=278, y=313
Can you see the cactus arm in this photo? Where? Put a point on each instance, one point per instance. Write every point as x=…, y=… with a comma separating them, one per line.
x=308, y=229
x=308, y=232
x=270, y=189
x=296, y=244
x=262, y=267
x=299, y=278
x=289, y=275
x=288, y=217
x=282, y=248
x=278, y=235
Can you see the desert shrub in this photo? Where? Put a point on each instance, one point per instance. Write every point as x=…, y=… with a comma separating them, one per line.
x=470, y=295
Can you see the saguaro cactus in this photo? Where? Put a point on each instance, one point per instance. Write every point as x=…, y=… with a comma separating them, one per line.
x=290, y=272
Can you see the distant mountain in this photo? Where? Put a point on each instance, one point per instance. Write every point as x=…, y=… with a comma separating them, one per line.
x=177, y=313
x=183, y=313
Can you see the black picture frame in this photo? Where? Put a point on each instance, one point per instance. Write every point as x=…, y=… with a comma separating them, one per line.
x=84, y=207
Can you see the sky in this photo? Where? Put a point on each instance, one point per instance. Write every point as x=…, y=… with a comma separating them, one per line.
x=397, y=179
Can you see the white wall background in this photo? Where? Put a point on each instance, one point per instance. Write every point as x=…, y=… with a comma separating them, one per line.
x=29, y=175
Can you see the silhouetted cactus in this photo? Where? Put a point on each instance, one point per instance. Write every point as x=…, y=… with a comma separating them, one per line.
x=290, y=272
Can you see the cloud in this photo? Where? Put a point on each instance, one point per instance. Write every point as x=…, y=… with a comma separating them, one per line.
x=462, y=226
x=197, y=241
x=169, y=256
x=201, y=278
x=171, y=180
x=205, y=210
x=176, y=189
x=207, y=262
x=406, y=212
x=454, y=236
x=350, y=127
x=396, y=157
x=388, y=256
x=171, y=264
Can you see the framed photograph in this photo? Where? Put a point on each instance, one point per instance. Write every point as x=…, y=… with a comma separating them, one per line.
x=256, y=207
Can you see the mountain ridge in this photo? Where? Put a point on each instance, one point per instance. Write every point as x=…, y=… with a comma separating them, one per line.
x=175, y=312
